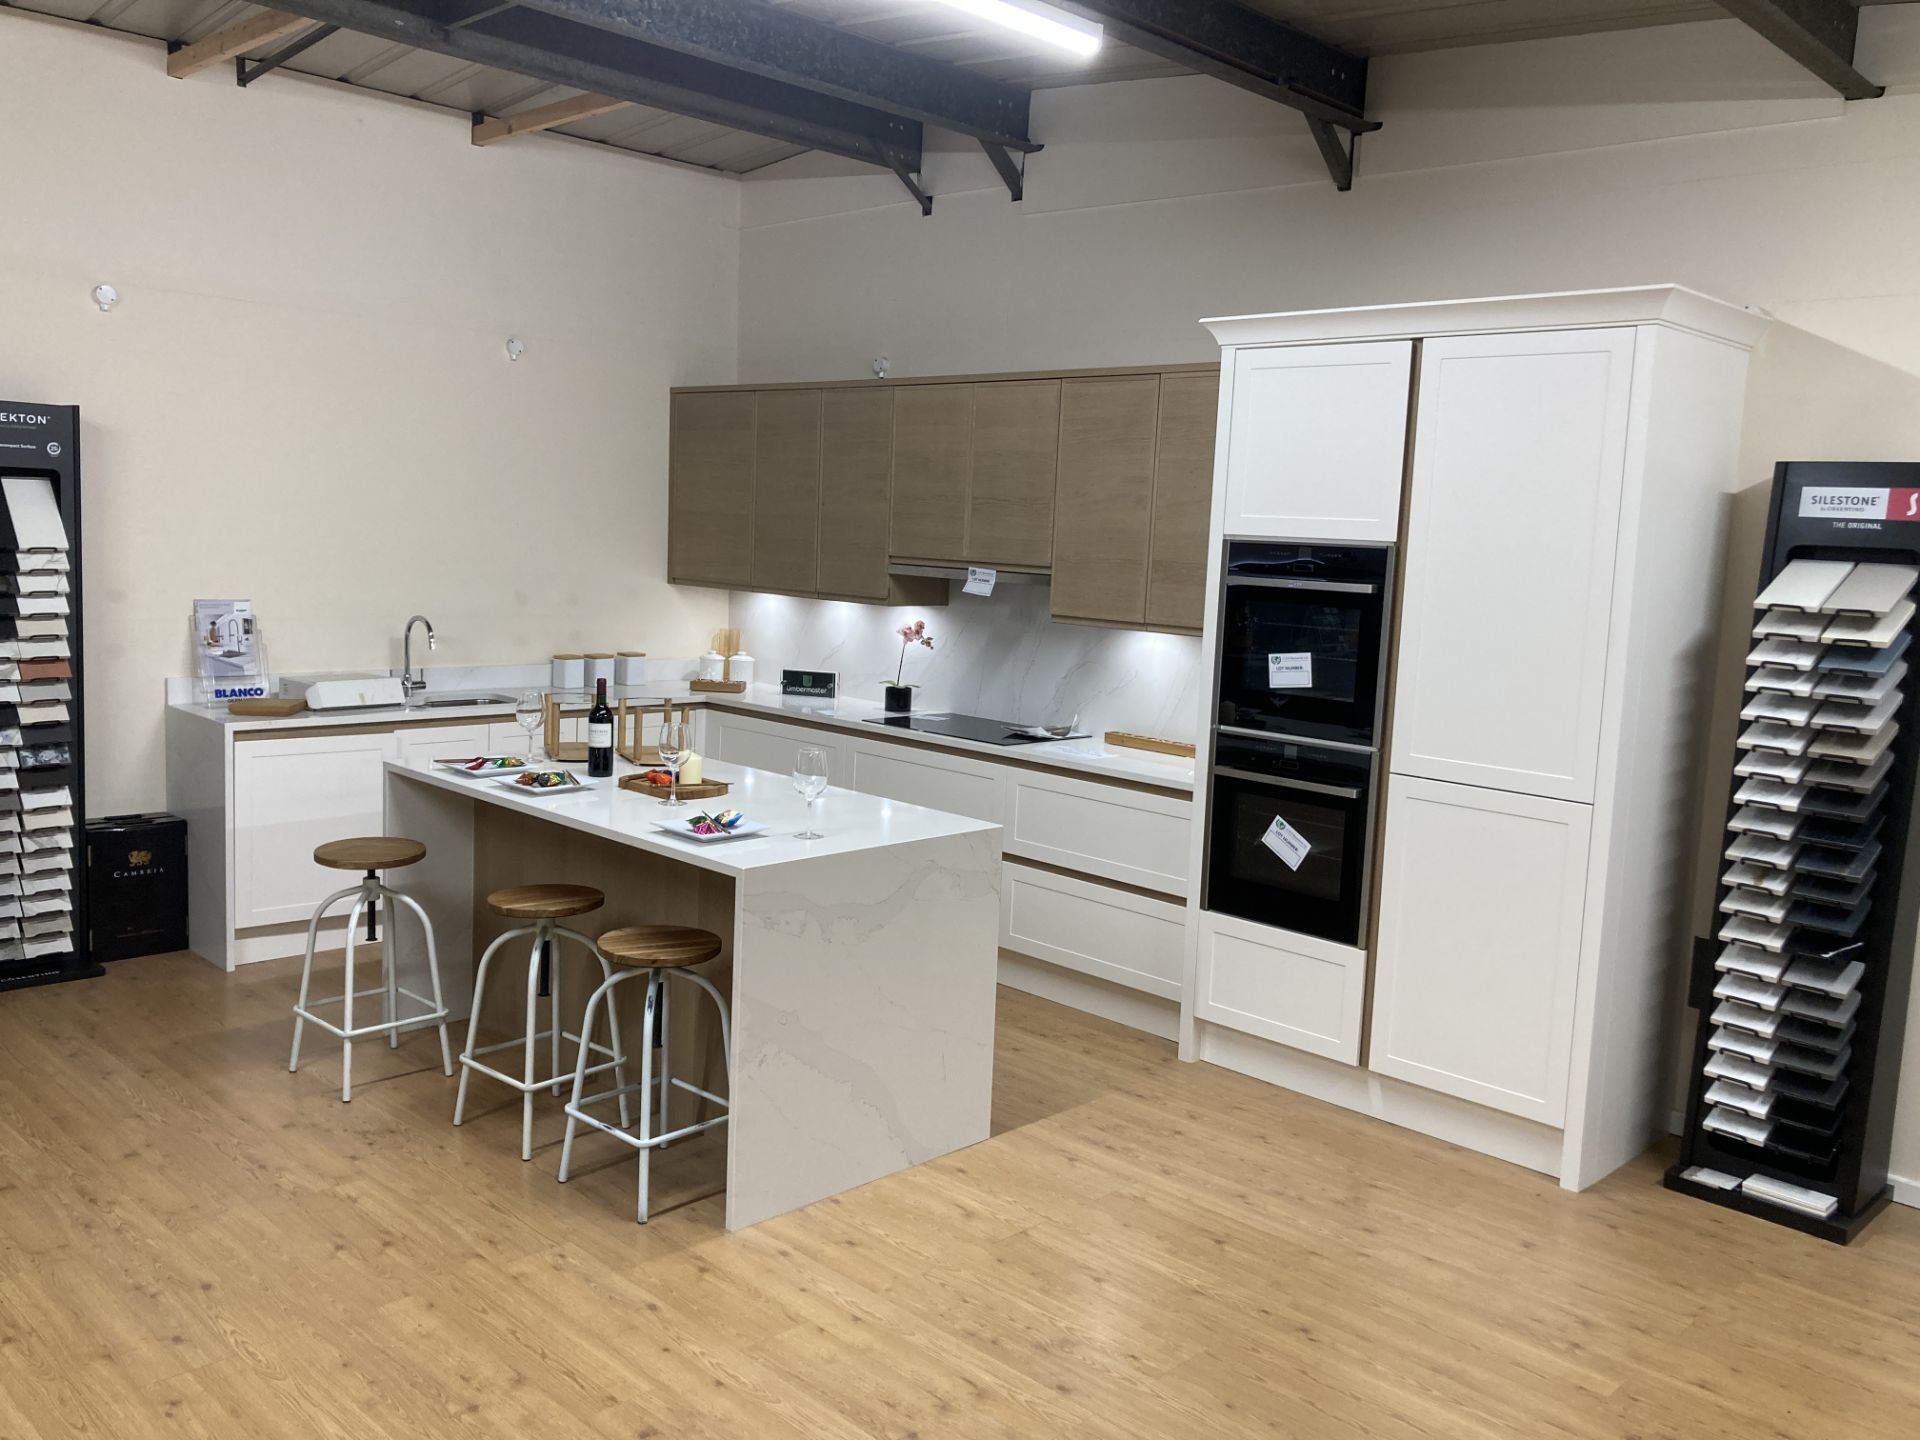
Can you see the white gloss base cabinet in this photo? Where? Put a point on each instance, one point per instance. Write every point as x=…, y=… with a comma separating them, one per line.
x=1316, y=444
x=290, y=795
x=1482, y=898
x=1093, y=885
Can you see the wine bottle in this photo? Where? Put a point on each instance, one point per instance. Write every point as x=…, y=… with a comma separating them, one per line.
x=600, y=734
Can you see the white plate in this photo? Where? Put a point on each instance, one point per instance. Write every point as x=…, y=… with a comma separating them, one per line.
x=492, y=772
x=739, y=832
x=512, y=782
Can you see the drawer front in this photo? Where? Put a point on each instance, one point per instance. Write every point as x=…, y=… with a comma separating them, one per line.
x=938, y=782
x=1131, y=836
x=761, y=745
x=506, y=738
x=1115, y=935
x=444, y=742
x=1292, y=989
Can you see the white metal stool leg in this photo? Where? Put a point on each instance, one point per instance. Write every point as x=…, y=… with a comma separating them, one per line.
x=647, y=1141
x=306, y=970
x=393, y=973
x=368, y=893
x=544, y=934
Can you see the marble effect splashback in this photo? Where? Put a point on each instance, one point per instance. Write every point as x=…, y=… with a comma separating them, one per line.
x=999, y=655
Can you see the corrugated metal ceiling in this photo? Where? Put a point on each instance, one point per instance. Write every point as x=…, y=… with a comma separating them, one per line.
x=1368, y=27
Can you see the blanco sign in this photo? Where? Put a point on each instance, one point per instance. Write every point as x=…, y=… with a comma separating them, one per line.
x=1850, y=503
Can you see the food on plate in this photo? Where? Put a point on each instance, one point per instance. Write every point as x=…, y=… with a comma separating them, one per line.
x=705, y=824
x=657, y=777
x=545, y=779
x=492, y=762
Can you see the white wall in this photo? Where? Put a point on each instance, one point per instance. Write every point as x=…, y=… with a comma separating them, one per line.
x=304, y=397
x=1694, y=154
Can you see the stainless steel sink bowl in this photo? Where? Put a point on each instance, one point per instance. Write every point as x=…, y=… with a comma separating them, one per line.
x=442, y=702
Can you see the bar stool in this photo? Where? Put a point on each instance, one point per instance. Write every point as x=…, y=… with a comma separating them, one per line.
x=371, y=853
x=543, y=905
x=654, y=952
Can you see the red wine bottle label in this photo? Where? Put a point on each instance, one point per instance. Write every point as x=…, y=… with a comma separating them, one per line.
x=600, y=736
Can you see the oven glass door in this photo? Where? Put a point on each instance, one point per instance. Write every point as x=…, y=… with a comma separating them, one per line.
x=1324, y=797
x=1300, y=656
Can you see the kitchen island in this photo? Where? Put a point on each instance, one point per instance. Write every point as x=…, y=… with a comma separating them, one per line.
x=862, y=964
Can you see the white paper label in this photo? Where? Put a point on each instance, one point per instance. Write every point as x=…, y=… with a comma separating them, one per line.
x=1286, y=842
x=1290, y=670
x=600, y=737
x=979, y=580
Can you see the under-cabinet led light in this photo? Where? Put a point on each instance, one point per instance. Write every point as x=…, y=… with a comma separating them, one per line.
x=1037, y=21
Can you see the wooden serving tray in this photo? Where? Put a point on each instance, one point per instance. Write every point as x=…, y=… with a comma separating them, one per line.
x=705, y=790
x=279, y=706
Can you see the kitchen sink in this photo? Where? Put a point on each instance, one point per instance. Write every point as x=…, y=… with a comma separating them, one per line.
x=445, y=701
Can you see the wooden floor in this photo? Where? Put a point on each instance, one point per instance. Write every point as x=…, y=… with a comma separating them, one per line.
x=194, y=1243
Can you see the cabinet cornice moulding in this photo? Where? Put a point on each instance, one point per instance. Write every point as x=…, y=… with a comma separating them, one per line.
x=1670, y=305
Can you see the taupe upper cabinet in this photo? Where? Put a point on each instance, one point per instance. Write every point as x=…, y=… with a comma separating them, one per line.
x=1182, y=500
x=1102, y=550
x=1016, y=452
x=710, y=488
x=786, y=490
x=856, y=452
x=932, y=460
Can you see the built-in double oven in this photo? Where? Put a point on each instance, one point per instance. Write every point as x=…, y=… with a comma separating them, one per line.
x=1303, y=632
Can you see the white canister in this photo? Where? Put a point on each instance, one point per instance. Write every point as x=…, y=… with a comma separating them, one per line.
x=569, y=672
x=743, y=668
x=711, y=664
x=629, y=667
x=599, y=667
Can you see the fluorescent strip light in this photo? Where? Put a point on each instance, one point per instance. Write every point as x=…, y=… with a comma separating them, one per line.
x=1037, y=21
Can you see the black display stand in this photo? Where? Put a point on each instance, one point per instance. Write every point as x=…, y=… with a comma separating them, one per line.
x=1824, y=833
x=44, y=441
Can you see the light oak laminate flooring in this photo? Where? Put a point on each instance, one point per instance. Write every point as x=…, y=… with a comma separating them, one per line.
x=194, y=1243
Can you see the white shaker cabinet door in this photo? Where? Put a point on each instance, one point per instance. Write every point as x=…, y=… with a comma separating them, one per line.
x=288, y=797
x=1316, y=441
x=1482, y=896
x=769, y=745
x=1518, y=456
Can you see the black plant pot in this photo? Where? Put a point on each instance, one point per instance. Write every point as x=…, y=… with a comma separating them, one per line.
x=899, y=698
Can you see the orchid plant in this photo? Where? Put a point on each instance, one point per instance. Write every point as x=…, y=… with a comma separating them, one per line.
x=913, y=633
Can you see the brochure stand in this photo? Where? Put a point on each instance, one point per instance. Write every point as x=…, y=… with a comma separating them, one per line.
x=1802, y=991
x=43, y=856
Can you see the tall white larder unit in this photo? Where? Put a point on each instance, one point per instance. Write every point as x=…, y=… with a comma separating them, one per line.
x=1564, y=483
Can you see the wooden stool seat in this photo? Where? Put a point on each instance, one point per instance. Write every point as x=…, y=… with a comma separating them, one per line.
x=369, y=852
x=545, y=902
x=659, y=947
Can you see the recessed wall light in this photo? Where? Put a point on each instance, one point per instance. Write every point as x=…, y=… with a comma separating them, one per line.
x=1037, y=21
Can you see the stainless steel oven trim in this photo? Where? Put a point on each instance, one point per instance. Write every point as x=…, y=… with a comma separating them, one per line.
x=1343, y=587
x=1280, y=737
x=1254, y=777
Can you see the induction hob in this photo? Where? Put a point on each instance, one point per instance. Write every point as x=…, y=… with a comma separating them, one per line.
x=968, y=727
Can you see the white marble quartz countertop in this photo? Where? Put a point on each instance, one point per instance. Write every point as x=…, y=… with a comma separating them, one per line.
x=849, y=822
x=1091, y=756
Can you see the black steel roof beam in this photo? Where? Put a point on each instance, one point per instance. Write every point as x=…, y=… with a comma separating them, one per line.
x=1818, y=33
x=245, y=74
x=1244, y=48
x=776, y=44
x=542, y=48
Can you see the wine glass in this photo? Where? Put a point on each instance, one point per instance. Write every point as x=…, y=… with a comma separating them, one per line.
x=531, y=712
x=810, y=779
x=674, y=743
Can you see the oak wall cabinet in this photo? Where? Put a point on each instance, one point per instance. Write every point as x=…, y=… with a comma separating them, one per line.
x=1101, y=480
